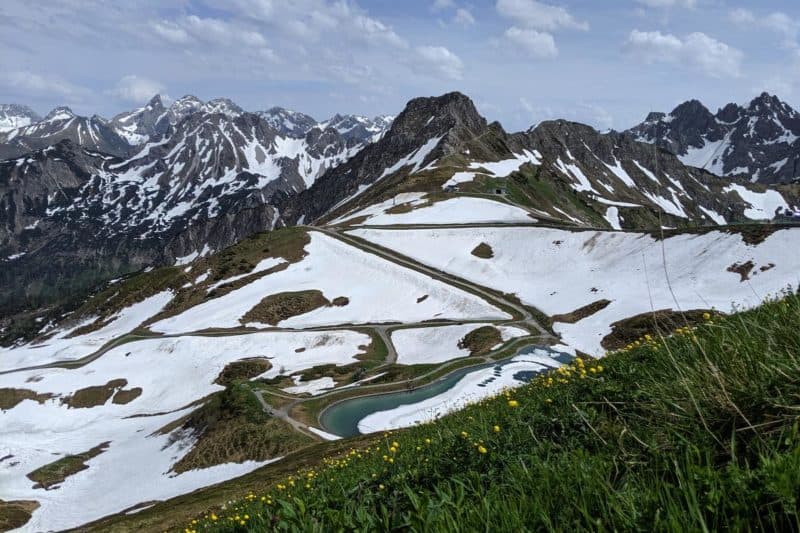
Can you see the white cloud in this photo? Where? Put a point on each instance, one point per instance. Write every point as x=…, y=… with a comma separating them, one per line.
x=538, y=15
x=257, y=9
x=375, y=30
x=31, y=82
x=440, y=5
x=463, y=17
x=220, y=32
x=668, y=3
x=212, y=35
x=699, y=51
x=776, y=22
x=136, y=89
x=534, y=43
x=440, y=61
x=170, y=32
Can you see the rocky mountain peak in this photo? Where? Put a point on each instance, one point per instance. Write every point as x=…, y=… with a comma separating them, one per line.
x=760, y=142
x=143, y=124
x=155, y=102
x=287, y=122
x=655, y=116
x=693, y=114
x=182, y=107
x=730, y=113
x=766, y=102
x=59, y=113
x=224, y=106
x=187, y=100
x=453, y=114
x=19, y=110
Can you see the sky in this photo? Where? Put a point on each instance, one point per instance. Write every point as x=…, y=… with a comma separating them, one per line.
x=602, y=62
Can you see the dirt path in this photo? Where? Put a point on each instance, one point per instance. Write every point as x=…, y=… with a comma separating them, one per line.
x=524, y=316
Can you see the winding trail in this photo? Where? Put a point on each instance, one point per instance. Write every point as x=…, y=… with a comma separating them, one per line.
x=524, y=316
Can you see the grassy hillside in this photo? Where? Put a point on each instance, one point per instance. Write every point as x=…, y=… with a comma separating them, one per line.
x=698, y=431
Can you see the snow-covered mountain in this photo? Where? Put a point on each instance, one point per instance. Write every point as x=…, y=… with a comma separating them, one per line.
x=287, y=122
x=208, y=165
x=143, y=124
x=14, y=116
x=567, y=172
x=94, y=133
x=358, y=127
x=355, y=129
x=760, y=142
x=207, y=175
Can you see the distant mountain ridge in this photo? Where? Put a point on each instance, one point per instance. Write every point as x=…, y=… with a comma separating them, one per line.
x=565, y=171
x=83, y=204
x=22, y=130
x=759, y=142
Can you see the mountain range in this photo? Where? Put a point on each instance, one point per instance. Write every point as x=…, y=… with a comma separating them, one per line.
x=85, y=199
x=759, y=142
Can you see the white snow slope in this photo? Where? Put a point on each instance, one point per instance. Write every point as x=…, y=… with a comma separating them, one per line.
x=172, y=372
x=559, y=271
x=458, y=210
x=378, y=291
x=438, y=344
x=61, y=348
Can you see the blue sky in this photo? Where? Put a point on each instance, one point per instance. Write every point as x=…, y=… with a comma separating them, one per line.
x=606, y=63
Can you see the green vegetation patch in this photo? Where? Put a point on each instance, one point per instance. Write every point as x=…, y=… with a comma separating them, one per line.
x=10, y=398
x=242, y=370
x=656, y=323
x=276, y=308
x=481, y=341
x=94, y=396
x=582, y=312
x=483, y=250
x=51, y=475
x=126, y=396
x=233, y=427
x=15, y=514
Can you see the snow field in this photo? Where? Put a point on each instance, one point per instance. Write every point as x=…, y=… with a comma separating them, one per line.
x=438, y=344
x=458, y=210
x=559, y=271
x=172, y=373
x=61, y=348
x=378, y=291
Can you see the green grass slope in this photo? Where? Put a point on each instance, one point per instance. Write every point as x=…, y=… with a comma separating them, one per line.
x=698, y=431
